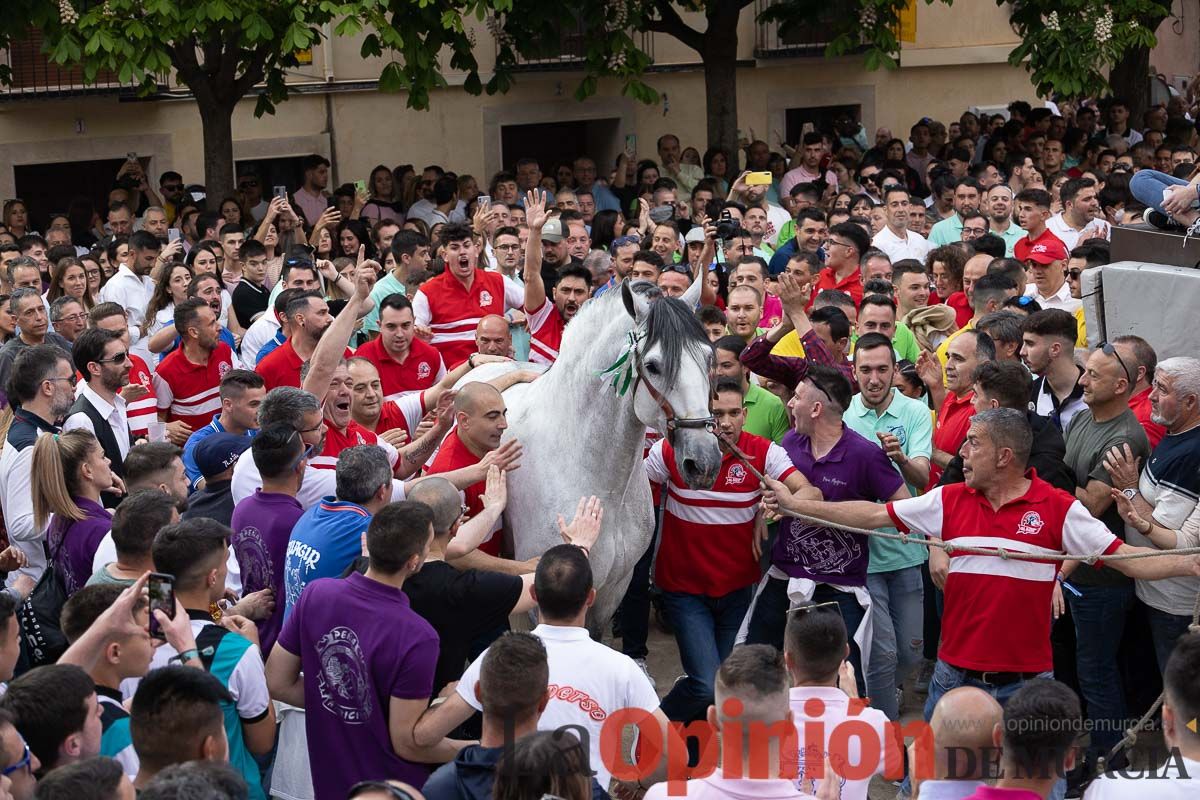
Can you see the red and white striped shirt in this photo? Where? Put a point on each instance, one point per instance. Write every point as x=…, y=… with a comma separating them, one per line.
x=453, y=311
x=141, y=412
x=453, y=455
x=355, y=435
x=192, y=392
x=546, y=328
x=707, y=534
x=405, y=412
x=997, y=616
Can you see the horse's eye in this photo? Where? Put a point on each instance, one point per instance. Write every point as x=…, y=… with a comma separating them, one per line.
x=652, y=367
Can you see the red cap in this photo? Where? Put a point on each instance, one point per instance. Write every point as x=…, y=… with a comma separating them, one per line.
x=1046, y=250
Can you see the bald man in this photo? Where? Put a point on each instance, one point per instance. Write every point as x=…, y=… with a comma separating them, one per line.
x=493, y=337
x=480, y=412
x=962, y=725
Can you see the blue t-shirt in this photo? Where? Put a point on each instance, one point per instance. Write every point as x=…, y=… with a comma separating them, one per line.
x=324, y=542
x=189, y=448
x=270, y=346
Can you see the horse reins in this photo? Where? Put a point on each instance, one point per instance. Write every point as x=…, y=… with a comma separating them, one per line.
x=674, y=421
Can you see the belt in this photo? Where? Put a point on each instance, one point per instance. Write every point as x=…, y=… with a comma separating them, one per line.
x=998, y=678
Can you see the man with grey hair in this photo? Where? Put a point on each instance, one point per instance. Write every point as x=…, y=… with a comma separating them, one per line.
x=1005, y=329
x=68, y=317
x=599, y=263
x=1159, y=504
x=995, y=629
x=23, y=272
x=33, y=324
x=328, y=536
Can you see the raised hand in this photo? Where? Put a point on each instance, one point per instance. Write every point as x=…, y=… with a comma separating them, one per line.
x=536, y=215
x=495, y=493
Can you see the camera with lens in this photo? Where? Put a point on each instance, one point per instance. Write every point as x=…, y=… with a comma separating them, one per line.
x=727, y=226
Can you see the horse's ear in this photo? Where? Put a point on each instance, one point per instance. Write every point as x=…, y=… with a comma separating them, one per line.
x=637, y=304
x=691, y=297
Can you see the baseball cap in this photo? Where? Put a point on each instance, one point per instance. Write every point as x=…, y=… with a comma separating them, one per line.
x=552, y=231
x=1047, y=252
x=695, y=234
x=219, y=452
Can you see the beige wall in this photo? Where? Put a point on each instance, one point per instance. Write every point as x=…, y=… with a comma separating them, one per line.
x=957, y=60
x=1177, y=55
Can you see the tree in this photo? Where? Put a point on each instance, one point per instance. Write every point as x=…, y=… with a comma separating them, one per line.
x=224, y=50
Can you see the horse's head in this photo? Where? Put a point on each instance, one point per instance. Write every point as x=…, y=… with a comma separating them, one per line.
x=673, y=391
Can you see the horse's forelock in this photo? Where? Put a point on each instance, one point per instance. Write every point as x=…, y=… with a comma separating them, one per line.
x=671, y=326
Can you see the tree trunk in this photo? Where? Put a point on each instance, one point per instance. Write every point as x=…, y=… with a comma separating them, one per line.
x=217, y=123
x=1130, y=77
x=720, y=77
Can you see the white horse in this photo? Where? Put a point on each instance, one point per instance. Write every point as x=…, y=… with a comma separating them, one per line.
x=584, y=436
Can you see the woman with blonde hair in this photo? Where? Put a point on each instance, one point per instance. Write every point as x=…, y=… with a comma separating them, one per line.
x=68, y=473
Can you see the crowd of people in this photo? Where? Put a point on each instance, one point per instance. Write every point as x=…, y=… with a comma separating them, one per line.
x=254, y=503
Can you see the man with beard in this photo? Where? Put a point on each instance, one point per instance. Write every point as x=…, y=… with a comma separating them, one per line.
x=447, y=308
x=141, y=406
x=101, y=358
x=241, y=393
x=187, y=382
x=308, y=318
x=43, y=389
x=30, y=312
x=547, y=321
x=405, y=363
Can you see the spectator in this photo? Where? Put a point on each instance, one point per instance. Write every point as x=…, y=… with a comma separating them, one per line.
x=1033, y=210
x=1049, y=352
x=141, y=406
x=135, y=522
x=998, y=205
x=215, y=456
x=1142, y=361
x=547, y=320
x=158, y=465
x=405, y=362
x=895, y=238
x=210, y=779
x=308, y=318
x=376, y=637
x=878, y=315
x=311, y=197
x=54, y=708
x=950, y=390
x=19, y=761
x=186, y=382
x=102, y=358
x=177, y=717
x=28, y=309
x=96, y=778
x=196, y=551
x=1081, y=217
x=544, y=763
x=131, y=287
x=966, y=199
x=264, y=335
x=962, y=722
x=250, y=294
x=41, y=387
x=242, y=393
x=68, y=317
x=764, y=414
x=410, y=252
x=843, y=250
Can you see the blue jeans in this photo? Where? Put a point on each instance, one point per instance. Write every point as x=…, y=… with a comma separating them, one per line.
x=1165, y=629
x=1147, y=186
x=705, y=630
x=769, y=618
x=1099, y=613
x=897, y=642
x=946, y=677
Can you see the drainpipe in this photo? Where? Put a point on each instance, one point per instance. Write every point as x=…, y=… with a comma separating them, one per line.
x=327, y=62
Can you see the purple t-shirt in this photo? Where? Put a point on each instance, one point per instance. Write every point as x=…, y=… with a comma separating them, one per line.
x=262, y=524
x=360, y=644
x=855, y=469
x=74, y=542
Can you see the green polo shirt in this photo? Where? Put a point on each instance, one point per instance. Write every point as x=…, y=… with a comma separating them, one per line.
x=909, y=420
x=1011, y=236
x=765, y=414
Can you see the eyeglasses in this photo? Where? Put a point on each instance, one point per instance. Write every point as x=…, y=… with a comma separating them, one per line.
x=507, y=247
x=1074, y=274
x=72, y=318
x=868, y=178
x=831, y=242
x=816, y=607
x=307, y=454
x=974, y=231
x=817, y=385
x=72, y=380
x=119, y=358
x=363, y=787
x=24, y=763
x=1110, y=349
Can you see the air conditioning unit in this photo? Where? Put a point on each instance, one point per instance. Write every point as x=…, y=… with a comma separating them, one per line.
x=979, y=111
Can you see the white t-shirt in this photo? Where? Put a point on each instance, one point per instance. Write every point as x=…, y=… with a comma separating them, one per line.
x=1169, y=786
x=834, y=705
x=588, y=682
x=1068, y=235
x=915, y=246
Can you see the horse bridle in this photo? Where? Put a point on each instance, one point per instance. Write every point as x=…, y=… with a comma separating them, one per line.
x=674, y=421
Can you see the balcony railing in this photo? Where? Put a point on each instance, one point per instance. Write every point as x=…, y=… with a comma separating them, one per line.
x=34, y=75
x=569, y=51
x=809, y=38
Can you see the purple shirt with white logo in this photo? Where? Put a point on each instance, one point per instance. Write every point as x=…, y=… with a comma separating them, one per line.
x=360, y=644
x=74, y=542
x=855, y=469
x=262, y=524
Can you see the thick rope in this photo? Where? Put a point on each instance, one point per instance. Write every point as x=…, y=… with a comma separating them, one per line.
x=1131, y=735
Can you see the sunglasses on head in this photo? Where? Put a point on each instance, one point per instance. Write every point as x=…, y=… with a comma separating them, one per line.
x=390, y=790
x=1109, y=349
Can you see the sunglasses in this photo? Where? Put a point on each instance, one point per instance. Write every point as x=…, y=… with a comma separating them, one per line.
x=1074, y=274
x=816, y=607
x=1110, y=349
x=680, y=268
x=26, y=760
x=119, y=358
x=621, y=241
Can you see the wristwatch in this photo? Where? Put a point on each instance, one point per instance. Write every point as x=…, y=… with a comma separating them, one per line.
x=1129, y=493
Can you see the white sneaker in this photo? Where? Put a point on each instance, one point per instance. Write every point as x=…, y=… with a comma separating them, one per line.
x=641, y=662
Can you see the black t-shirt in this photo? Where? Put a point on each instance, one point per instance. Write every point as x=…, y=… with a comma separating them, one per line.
x=461, y=606
x=248, y=301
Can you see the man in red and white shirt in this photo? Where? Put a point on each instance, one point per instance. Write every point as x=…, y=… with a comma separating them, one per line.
x=308, y=318
x=447, y=308
x=187, y=382
x=707, y=562
x=996, y=624
x=141, y=405
x=341, y=431
x=404, y=362
x=546, y=319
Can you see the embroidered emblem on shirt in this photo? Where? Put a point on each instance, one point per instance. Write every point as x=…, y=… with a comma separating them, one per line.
x=343, y=678
x=485, y=298
x=1030, y=525
x=737, y=474
x=423, y=370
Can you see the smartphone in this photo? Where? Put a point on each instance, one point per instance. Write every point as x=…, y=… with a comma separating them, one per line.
x=173, y=234
x=360, y=186
x=483, y=201
x=161, y=588
x=281, y=191
x=759, y=179
x=806, y=128
x=131, y=156
x=630, y=144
